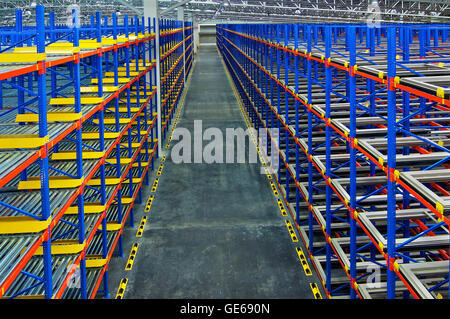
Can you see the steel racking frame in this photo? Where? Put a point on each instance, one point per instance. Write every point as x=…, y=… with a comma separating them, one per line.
x=78, y=141
x=172, y=67
x=362, y=114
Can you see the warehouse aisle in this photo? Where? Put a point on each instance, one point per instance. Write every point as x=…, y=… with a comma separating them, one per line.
x=214, y=231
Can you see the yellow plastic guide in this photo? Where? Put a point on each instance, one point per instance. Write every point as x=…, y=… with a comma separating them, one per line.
x=22, y=57
x=111, y=80
x=316, y=291
x=142, y=164
x=92, y=262
x=22, y=224
x=51, y=117
x=149, y=203
x=96, y=136
x=53, y=49
x=25, y=141
x=111, y=226
x=122, y=120
x=122, y=39
x=108, y=181
x=89, y=208
x=291, y=231
x=54, y=183
x=109, y=41
x=155, y=185
x=126, y=200
x=72, y=155
x=124, y=109
x=87, y=100
x=133, y=145
x=90, y=44
x=121, y=289
x=303, y=261
x=94, y=89
x=63, y=247
x=281, y=206
x=141, y=227
x=123, y=160
x=274, y=188
x=158, y=173
x=140, y=68
x=121, y=74
x=142, y=132
x=132, y=257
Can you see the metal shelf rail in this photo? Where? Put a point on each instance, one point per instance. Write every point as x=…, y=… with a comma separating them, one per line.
x=78, y=140
x=363, y=115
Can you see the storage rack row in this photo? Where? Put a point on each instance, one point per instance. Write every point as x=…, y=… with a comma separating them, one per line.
x=78, y=141
x=358, y=116
x=177, y=56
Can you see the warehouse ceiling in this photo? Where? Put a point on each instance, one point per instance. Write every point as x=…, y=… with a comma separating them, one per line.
x=207, y=11
x=316, y=10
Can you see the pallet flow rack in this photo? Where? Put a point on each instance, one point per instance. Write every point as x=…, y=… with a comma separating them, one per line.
x=175, y=66
x=78, y=140
x=363, y=115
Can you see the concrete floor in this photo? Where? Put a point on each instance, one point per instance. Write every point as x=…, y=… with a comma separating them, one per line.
x=214, y=231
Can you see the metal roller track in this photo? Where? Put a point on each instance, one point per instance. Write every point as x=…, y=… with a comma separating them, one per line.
x=340, y=245
x=30, y=201
x=126, y=188
x=54, y=130
x=94, y=197
x=96, y=246
x=92, y=276
x=111, y=170
x=11, y=160
x=88, y=145
x=92, y=128
x=60, y=266
x=112, y=215
x=65, y=231
x=12, y=248
x=123, y=153
x=69, y=167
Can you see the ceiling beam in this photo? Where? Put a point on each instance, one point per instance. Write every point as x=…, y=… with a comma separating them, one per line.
x=176, y=5
x=129, y=6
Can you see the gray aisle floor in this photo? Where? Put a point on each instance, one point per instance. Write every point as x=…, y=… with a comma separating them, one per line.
x=214, y=231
